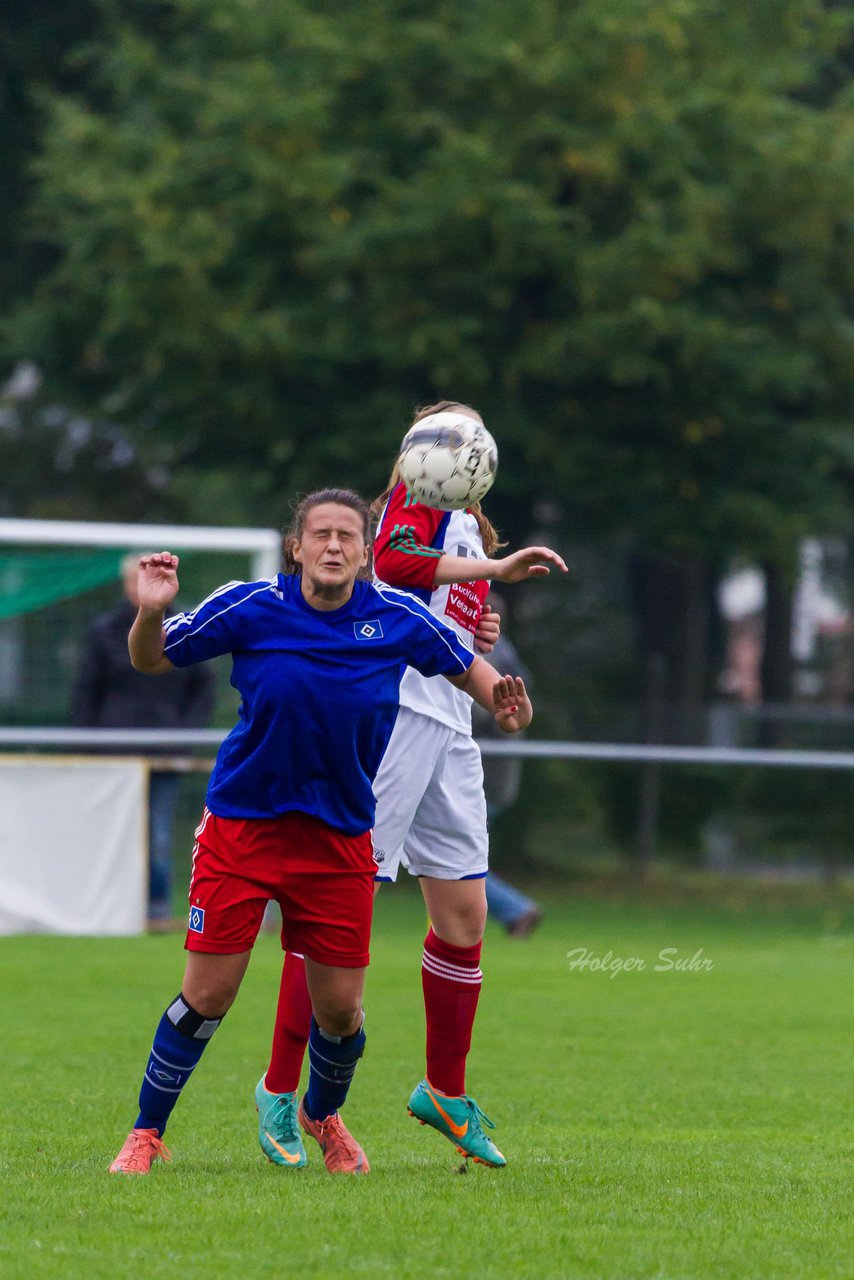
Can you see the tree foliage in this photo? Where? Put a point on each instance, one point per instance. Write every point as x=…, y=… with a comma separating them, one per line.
x=246, y=238
x=34, y=45
x=621, y=228
x=63, y=465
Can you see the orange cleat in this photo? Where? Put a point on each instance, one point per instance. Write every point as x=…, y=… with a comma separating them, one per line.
x=142, y=1147
x=341, y=1151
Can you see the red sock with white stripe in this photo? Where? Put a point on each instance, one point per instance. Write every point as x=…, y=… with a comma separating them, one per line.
x=451, y=980
x=293, y=1022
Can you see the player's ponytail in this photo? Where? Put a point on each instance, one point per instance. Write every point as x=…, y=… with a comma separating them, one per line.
x=488, y=532
x=342, y=498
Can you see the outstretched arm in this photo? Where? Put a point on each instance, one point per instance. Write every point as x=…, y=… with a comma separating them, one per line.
x=504, y=696
x=158, y=587
x=406, y=554
x=530, y=562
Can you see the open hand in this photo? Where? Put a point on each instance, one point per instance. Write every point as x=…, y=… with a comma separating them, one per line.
x=530, y=562
x=158, y=580
x=513, y=710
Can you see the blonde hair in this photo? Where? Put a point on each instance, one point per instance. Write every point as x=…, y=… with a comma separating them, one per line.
x=488, y=533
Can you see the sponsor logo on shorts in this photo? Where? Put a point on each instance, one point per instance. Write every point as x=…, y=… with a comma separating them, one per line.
x=197, y=920
x=368, y=630
x=379, y=855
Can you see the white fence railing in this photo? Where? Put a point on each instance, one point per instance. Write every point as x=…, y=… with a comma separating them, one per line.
x=81, y=740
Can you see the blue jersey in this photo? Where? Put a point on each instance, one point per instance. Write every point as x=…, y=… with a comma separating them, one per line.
x=319, y=692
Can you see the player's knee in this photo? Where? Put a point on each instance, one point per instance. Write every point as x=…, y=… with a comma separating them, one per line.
x=339, y=1018
x=461, y=923
x=211, y=998
x=461, y=930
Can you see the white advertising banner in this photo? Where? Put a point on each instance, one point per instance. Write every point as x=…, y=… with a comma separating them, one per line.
x=73, y=845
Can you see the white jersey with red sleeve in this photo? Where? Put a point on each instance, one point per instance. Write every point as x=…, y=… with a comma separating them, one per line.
x=409, y=540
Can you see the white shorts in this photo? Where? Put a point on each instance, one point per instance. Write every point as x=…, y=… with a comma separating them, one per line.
x=431, y=810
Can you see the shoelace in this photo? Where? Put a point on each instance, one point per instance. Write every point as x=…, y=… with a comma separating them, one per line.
x=335, y=1128
x=477, y=1115
x=287, y=1118
x=142, y=1144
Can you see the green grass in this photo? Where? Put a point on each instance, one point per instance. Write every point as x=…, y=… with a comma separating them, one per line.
x=658, y=1125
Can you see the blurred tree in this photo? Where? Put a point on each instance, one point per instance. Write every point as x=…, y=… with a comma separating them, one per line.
x=61, y=465
x=621, y=228
x=35, y=40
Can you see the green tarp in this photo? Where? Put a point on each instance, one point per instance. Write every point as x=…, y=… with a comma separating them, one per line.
x=30, y=581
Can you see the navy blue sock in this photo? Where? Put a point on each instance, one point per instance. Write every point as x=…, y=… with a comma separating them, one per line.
x=332, y=1062
x=179, y=1042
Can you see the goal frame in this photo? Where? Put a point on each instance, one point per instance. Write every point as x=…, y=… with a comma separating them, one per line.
x=262, y=545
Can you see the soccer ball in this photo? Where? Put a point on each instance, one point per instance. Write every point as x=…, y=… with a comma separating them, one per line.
x=448, y=460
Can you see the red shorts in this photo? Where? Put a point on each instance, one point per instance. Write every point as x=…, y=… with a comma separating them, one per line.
x=322, y=879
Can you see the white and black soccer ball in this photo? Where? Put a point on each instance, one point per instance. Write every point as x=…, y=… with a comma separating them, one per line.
x=448, y=460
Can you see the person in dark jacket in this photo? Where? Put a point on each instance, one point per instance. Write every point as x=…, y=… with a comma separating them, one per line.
x=502, y=780
x=110, y=694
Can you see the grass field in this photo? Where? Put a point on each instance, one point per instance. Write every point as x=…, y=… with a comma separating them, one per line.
x=658, y=1125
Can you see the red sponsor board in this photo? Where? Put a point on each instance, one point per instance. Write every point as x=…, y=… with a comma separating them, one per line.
x=465, y=602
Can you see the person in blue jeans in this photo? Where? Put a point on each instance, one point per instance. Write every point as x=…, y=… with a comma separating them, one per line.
x=502, y=777
x=518, y=913
x=109, y=694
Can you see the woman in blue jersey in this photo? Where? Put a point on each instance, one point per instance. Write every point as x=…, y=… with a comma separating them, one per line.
x=318, y=656
x=431, y=810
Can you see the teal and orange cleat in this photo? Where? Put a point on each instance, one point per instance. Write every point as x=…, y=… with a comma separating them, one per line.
x=341, y=1151
x=142, y=1147
x=459, y=1119
x=277, y=1127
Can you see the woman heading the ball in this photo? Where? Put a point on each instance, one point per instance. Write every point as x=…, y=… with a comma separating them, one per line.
x=431, y=810
x=318, y=654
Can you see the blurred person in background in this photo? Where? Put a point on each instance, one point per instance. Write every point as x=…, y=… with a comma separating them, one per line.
x=110, y=694
x=502, y=781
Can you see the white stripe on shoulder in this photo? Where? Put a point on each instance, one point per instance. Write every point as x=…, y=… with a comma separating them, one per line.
x=188, y=616
x=404, y=600
x=267, y=584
